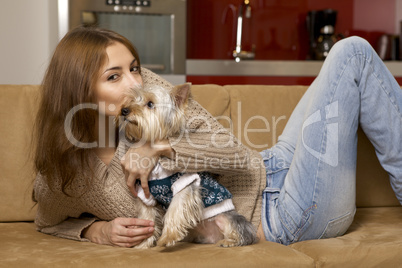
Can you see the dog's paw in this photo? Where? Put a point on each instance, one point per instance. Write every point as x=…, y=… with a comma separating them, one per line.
x=169, y=239
x=236, y=230
x=227, y=243
x=165, y=243
x=147, y=243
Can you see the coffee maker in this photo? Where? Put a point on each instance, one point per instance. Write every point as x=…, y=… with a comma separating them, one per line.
x=321, y=28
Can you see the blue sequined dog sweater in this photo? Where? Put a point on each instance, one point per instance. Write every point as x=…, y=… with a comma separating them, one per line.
x=212, y=192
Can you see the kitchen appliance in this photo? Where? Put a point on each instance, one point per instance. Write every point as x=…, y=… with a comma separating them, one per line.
x=238, y=53
x=321, y=28
x=157, y=28
x=387, y=47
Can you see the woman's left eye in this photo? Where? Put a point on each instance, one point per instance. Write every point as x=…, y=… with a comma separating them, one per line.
x=135, y=69
x=150, y=105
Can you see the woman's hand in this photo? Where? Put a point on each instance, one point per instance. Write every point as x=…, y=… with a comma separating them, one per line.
x=122, y=232
x=140, y=160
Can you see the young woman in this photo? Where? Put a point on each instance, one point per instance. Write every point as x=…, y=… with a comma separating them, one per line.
x=85, y=182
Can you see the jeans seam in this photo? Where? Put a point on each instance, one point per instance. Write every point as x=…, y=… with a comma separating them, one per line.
x=338, y=219
x=380, y=82
x=385, y=90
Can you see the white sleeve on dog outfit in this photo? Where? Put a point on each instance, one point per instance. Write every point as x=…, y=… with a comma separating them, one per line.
x=141, y=195
x=185, y=180
x=208, y=212
x=212, y=211
x=159, y=173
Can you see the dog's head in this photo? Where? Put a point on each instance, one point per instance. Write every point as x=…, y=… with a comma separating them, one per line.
x=154, y=113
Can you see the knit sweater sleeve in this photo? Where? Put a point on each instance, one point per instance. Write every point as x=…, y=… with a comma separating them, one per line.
x=59, y=214
x=205, y=145
x=71, y=228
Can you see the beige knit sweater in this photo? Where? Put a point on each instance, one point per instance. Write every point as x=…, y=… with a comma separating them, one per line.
x=207, y=147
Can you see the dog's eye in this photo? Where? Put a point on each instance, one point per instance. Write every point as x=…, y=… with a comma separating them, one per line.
x=125, y=111
x=150, y=105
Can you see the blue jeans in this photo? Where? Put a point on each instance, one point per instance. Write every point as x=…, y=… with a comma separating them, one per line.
x=311, y=171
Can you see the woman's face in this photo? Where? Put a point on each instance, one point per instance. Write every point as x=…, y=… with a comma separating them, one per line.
x=119, y=73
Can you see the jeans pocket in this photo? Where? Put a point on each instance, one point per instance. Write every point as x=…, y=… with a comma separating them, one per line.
x=338, y=226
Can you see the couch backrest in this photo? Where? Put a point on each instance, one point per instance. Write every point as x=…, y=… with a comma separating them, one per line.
x=258, y=115
x=18, y=106
x=255, y=114
x=215, y=99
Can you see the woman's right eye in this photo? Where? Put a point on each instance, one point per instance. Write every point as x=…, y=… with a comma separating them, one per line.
x=112, y=77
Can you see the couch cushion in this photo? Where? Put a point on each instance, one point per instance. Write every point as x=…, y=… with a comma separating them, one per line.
x=22, y=246
x=373, y=240
x=18, y=105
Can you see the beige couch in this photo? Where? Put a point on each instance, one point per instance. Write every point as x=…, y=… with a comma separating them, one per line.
x=257, y=115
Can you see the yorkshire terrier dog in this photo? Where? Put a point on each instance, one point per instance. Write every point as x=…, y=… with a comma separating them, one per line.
x=198, y=209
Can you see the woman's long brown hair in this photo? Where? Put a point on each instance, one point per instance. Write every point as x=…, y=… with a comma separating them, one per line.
x=69, y=81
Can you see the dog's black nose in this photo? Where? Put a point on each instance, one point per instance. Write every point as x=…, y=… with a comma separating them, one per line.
x=125, y=111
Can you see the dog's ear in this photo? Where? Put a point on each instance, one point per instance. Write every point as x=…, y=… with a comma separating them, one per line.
x=181, y=94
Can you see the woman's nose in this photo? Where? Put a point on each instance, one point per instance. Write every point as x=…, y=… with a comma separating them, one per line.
x=134, y=80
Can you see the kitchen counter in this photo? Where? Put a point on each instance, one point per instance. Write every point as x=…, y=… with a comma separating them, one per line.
x=265, y=68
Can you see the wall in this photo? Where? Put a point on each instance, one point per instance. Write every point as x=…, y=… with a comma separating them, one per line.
x=278, y=28
x=28, y=36
x=372, y=18
x=374, y=15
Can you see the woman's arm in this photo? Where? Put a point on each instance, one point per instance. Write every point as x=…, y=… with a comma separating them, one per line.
x=139, y=161
x=123, y=232
x=206, y=145
x=63, y=216
x=57, y=214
